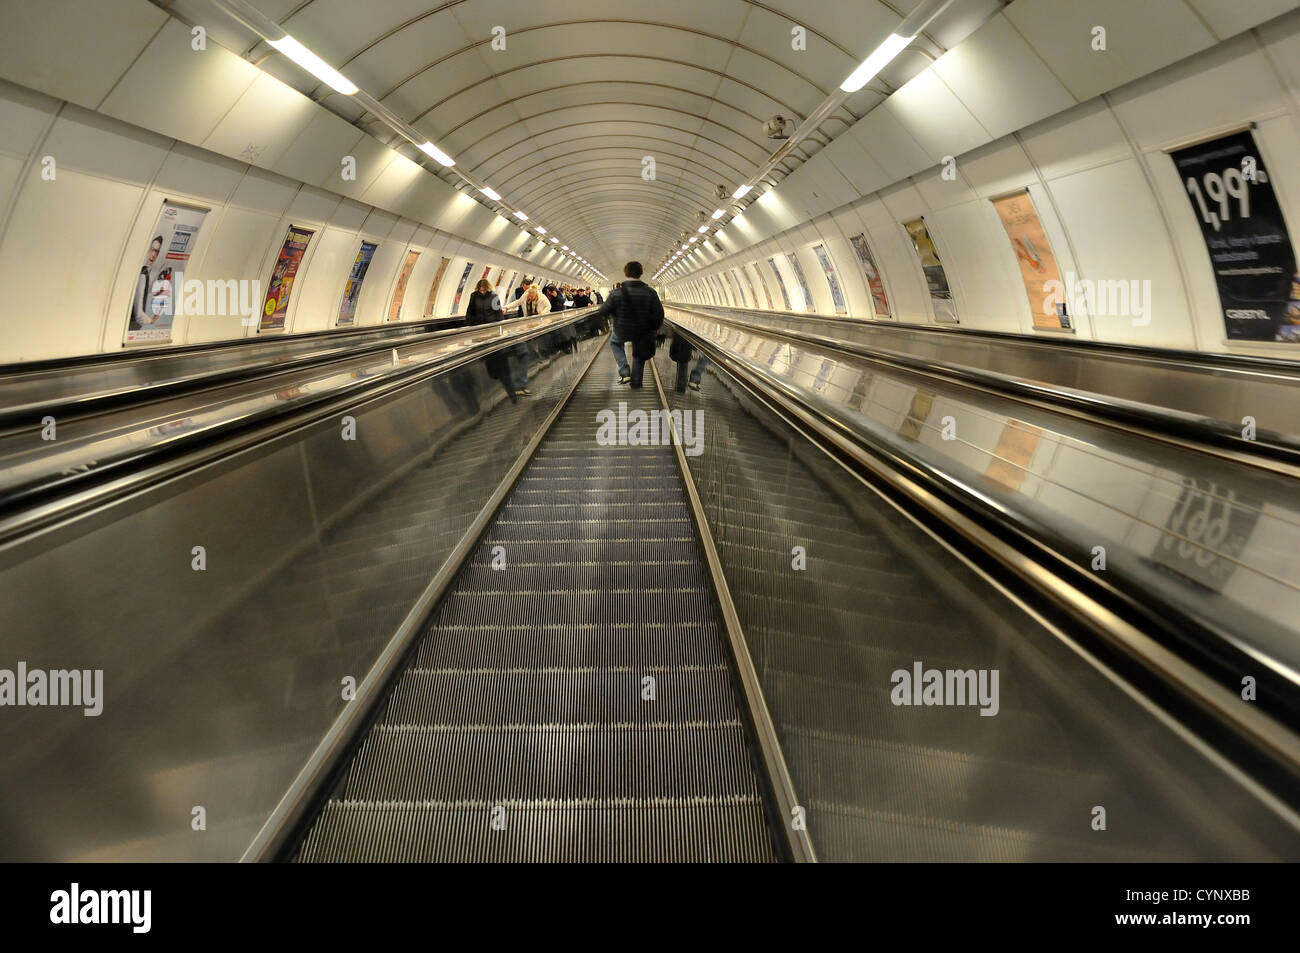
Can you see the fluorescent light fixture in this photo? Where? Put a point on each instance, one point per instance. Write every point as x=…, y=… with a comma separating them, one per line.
x=314, y=65
x=564, y=248
x=554, y=240
x=719, y=213
x=491, y=193
x=428, y=148
x=873, y=64
x=702, y=229
x=683, y=248
x=540, y=230
x=741, y=192
x=521, y=216
x=694, y=240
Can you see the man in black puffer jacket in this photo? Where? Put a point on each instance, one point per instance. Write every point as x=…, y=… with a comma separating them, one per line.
x=637, y=313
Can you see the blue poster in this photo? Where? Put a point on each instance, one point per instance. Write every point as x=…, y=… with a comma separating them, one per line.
x=352, y=290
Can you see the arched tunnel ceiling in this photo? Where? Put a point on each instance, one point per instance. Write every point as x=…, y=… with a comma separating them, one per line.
x=559, y=122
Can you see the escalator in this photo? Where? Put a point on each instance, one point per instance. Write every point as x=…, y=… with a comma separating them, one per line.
x=572, y=699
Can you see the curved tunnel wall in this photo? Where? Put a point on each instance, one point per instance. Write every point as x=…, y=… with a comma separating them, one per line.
x=1110, y=199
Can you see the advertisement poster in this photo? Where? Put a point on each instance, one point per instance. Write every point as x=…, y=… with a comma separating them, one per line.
x=945, y=309
x=395, y=308
x=803, y=282
x=500, y=274
x=158, y=283
x=837, y=296
x=278, y=291
x=875, y=284
x=780, y=283
x=735, y=283
x=749, y=286
x=1037, y=263
x=352, y=290
x=431, y=301
x=767, y=294
x=460, y=288
x=1254, y=262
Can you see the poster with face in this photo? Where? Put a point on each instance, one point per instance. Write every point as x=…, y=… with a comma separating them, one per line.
x=837, y=296
x=460, y=287
x=278, y=291
x=157, y=285
x=431, y=301
x=875, y=284
x=399, y=293
x=1254, y=263
x=1038, y=270
x=352, y=290
x=945, y=309
x=803, y=282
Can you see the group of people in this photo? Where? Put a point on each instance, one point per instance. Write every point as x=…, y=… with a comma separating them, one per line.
x=633, y=306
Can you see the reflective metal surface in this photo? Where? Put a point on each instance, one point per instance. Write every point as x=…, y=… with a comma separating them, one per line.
x=224, y=666
x=1224, y=389
x=1215, y=539
x=845, y=601
x=76, y=385
x=92, y=445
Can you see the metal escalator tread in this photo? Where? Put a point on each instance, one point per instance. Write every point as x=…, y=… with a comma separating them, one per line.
x=526, y=693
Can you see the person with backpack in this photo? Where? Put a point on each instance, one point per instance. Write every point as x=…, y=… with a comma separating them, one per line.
x=638, y=314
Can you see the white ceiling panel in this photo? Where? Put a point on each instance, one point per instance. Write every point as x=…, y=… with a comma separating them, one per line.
x=1061, y=31
x=935, y=117
x=1001, y=80
x=179, y=91
x=74, y=49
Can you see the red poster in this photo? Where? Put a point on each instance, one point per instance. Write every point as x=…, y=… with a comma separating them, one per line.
x=276, y=306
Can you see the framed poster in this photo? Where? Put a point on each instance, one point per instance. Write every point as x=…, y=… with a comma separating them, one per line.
x=1254, y=262
x=828, y=266
x=158, y=284
x=399, y=293
x=276, y=307
x=749, y=286
x=875, y=284
x=431, y=300
x=945, y=309
x=803, y=282
x=352, y=290
x=767, y=294
x=460, y=287
x=1037, y=263
x=780, y=283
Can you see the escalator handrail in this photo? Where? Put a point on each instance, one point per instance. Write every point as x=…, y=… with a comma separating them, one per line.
x=137, y=394
x=1186, y=653
x=1269, y=450
x=44, y=503
x=1197, y=360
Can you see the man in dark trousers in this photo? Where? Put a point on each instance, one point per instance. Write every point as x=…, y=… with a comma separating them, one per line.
x=637, y=313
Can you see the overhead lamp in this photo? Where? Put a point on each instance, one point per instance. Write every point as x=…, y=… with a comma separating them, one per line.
x=719, y=213
x=521, y=216
x=314, y=65
x=702, y=229
x=564, y=248
x=428, y=148
x=540, y=230
x=741, y=192
x=873, y=64
x=694, y=240
x=553, y=240
x=490, y=193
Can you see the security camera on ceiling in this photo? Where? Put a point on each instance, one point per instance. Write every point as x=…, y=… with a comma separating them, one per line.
x=774, y=128
x=721, y=192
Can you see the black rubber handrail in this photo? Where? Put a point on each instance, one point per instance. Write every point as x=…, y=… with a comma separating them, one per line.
x=1261, y=737
x=1200, y=359
x=31, y=507
x=1178, y=426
